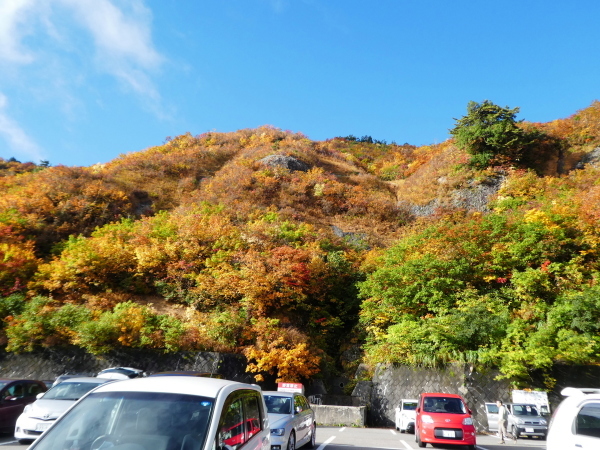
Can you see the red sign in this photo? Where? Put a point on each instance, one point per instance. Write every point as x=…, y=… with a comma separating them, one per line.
x=290, y=387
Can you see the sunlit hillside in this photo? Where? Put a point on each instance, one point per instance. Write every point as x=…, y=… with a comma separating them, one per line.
x=292, y=251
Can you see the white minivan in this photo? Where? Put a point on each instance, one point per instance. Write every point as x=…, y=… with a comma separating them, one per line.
x=162, y=413
x=406, y=414
x=576, y=423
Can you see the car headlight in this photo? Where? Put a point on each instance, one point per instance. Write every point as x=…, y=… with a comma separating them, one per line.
x=520, y=421
x=427, y=419
x=543, y=422
x=27, y=408
x=278, y=431
x=467, y=421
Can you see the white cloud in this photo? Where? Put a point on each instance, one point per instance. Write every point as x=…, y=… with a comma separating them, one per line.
x=123, y=43
x=13, y=28
x=121, y=36
x=18, y=141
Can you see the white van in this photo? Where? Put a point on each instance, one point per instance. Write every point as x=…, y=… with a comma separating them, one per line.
x=406, y=415
x=576, y=423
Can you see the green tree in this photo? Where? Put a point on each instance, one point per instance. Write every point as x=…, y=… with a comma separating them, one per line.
x=491, y=134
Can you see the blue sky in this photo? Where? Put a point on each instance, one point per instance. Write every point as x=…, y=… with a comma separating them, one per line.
x=83, y=81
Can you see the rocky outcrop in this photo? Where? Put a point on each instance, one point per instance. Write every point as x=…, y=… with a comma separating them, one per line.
x=475, y=197
x=592, y=158
x=286, y=162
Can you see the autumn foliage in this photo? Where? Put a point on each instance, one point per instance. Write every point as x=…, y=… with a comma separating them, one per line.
x=197, y=244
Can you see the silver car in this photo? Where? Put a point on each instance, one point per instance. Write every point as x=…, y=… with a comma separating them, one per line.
x=525, y=420
x=291, y=419
x=39, y=415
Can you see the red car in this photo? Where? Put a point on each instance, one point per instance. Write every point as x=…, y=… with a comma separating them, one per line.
x=444, y=419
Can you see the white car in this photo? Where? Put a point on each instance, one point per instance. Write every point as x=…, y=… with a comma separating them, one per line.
x=292, y=420
x=163, y=413
x=39, y=415
x=406, y=414
x=121, y=373
x=576, y=422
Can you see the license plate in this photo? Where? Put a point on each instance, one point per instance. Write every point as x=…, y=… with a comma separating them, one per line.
x=448, y=433
x=42, y=426
x=529, y=430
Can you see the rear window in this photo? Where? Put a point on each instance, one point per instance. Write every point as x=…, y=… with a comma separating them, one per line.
x=409, y=406
x=525, y=410
x=69, y=390
x=278, y=405
x=450, y=405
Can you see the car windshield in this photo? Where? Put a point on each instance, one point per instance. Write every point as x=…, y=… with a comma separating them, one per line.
x=409, y=406
x=278, y=405
x=525, y=410
x=131, y=420
x=69, y=391
x=3, y=383
x=450, y=405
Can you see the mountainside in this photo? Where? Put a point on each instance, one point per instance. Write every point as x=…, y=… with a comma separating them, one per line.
x=295, y=252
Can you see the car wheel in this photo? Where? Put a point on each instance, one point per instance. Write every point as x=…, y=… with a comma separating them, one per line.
x=292, y=442
x=515, y=432
x=25, y=441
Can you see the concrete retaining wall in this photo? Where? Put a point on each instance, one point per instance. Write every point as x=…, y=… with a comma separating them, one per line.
x=47, y=364
x=393, y=383
x=349, y=416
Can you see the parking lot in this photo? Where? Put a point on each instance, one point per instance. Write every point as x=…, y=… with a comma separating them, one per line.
x=336, y=438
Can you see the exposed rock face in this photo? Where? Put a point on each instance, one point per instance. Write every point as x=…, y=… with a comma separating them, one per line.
x=287, y=162
x=592, y=158
x=355, y=239
x=473, y=198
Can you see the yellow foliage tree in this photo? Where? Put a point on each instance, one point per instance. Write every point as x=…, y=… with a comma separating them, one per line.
x=281, y=351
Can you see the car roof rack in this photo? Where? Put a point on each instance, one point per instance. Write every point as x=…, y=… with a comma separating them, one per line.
x=575, y=392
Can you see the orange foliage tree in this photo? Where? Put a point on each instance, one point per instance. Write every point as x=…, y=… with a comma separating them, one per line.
x=282, y=351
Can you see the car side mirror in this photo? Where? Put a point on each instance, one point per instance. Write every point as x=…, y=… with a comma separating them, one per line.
x=39, y=395
x=418, y=410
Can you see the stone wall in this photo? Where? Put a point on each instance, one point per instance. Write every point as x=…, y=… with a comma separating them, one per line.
x=48, y=364
x=392, y=383
x=380, y=395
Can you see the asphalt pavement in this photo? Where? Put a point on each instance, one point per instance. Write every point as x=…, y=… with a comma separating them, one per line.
x=345, y=438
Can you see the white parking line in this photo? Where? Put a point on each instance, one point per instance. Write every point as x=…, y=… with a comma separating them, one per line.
x=324, y=444
x=393, y=431
x=342, y=429
x=10, y=443
x=406, y=445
